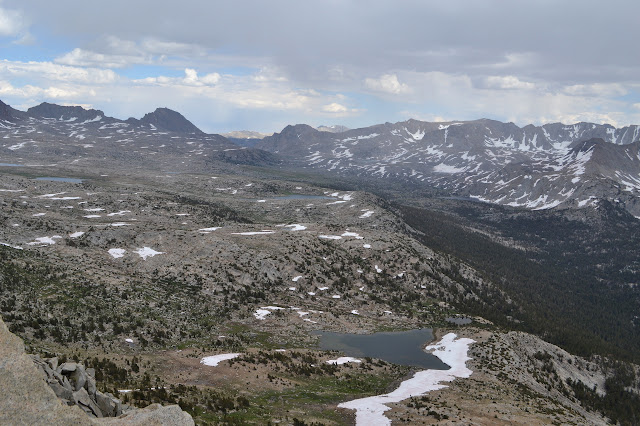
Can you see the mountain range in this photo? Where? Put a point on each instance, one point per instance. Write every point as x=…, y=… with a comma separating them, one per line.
x=534, y=167
x=71, y=134
x=531, y=167
x=125, y=242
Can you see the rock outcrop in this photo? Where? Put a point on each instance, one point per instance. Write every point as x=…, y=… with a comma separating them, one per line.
x=27, y=399
x=75, y=385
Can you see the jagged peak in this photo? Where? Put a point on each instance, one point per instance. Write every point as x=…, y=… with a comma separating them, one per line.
x=168, y=119
x=64, y=112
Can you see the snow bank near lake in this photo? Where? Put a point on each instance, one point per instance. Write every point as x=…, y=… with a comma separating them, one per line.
x=450, y=349
x=214, y=360
x=343, y=360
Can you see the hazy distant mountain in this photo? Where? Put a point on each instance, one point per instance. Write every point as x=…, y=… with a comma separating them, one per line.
x=245, y=138
x=333, y=129
x=245, y=134
x=536, y=167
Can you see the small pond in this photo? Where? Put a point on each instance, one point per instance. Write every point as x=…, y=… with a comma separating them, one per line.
x=61, y=179
x=402, y=347
x=11, y=165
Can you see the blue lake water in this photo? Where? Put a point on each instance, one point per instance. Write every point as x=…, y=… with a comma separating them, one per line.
x=61, y=179
x=402, y=347
x=11, y=165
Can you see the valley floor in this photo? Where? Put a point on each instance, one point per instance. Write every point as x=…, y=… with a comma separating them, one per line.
x=141, y=276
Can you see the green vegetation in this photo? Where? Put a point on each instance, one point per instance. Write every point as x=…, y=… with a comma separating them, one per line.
x=552, y=289
x=619, y=404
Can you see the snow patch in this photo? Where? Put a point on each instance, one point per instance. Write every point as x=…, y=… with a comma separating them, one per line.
x=214, y=360
x=445, y=168
x=45, y=240
x=366, y=214
x=263, y=232
x=330, y=237
x=117, y=252
x=145, y=252
x=343, y=360
x=207, y=230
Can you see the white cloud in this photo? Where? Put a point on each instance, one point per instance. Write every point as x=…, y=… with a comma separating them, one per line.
x=86, y=58
x=335, y=107
x=115, y=52
x=613, y=118
x=30, y=91
x=596, y=89
x=387, y=83
x=12, y=23
x=50, y=71
x=191, y=78
x=507, y=82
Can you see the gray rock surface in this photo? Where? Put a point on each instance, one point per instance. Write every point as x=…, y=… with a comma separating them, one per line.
x=153, y=415
x=28, y=399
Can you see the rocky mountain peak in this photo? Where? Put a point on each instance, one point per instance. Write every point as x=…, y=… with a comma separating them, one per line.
x=167, y=119
x=5, y=111
x=62, y=112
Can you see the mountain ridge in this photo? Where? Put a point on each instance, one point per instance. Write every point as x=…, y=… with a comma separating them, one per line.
x=534, y=167
x=162, y=118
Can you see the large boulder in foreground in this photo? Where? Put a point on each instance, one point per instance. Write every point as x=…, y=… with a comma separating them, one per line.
x=27, y=399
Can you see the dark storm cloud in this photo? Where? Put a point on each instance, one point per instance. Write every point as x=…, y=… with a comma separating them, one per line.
x=567, y=42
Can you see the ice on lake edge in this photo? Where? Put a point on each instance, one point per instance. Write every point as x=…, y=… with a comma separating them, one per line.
x=451, y=350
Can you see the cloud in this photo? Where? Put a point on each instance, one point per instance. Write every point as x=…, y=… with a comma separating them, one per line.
x=115, y=52
x=259, y=62
x=12, y=23
x=596, y=89
x=84, y=58
x=50, y=71
x=335, y=108
x=30, y=91
x=262, y=90
x=190, y=78
x=507, y=82
x=387, y=83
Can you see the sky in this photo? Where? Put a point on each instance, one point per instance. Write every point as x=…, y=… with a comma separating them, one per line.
x=261, y=65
